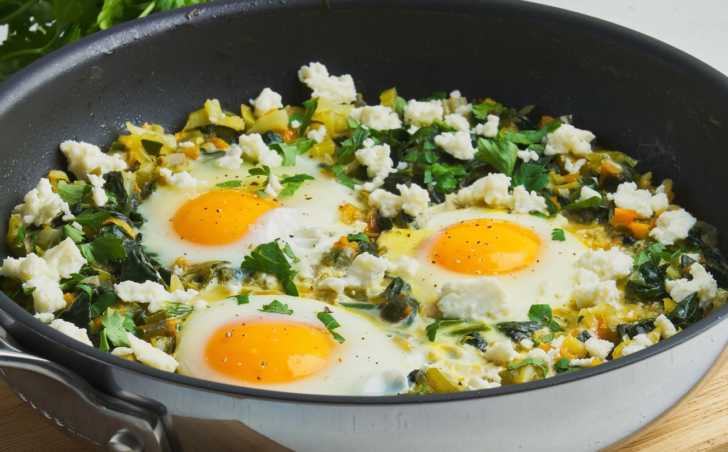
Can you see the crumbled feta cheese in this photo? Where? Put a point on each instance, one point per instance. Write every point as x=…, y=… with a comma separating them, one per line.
x=589, y=290
x=665, y=327
x=659, y=202
x=232, y=158
x=85, y=158
x=378, y=162
x=317, y=134
x=456, y=103
x=337, y=89
x=388, y=204
x=457, y=144
x=610, y=264
x=415, y=199
x=473, y=299
x=527, y=155
x=97, y=190
x=639, y=342
x=491, y=189
x=183, y=179
x=71, y=330
x=598, y=348
x=47, y=294
x=458, y=122
x=489, y=129
x=255, y=149
x=672, y=225
x=525, y=201
x=266, y=101
x=147, y=354
x=573, y=166
x=500, y=352
x=45, y=317
x=4, y=32
x=27, y=267
x=422, y=114
x=377, y=117
x=588, y=193
x=65, y=258
x=534, y=353
x=122, y=351
x=296, y=124
x=568, y=139
x=702, y=282
x=273, y=187
x=628, y=196
x=151, y=293
x=41, y=205
x=404, y=266
x=365, y=272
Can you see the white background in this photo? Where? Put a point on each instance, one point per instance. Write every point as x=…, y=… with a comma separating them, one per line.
x=698, y=27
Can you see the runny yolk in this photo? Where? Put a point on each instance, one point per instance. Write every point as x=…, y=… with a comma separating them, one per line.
x=485, y=247
x=268, y=351
x=219, y=217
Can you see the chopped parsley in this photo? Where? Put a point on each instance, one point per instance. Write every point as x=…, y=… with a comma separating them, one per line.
x=271, y=258
x=276, y=307
x=558, y=235
x=331, y=324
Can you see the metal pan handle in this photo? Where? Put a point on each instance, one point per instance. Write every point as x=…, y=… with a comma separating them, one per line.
x=73, y=404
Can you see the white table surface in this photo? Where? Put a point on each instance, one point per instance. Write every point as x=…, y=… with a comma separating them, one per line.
x=698, y=27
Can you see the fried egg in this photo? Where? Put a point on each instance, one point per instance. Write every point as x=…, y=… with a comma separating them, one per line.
x=241, y=345
x=515, y=250
x=211, y=222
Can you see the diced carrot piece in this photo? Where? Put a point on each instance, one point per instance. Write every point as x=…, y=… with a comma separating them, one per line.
x=219, y=143
x=289, y=135
x=639, y=230
x=609, y=168
x=623, y=217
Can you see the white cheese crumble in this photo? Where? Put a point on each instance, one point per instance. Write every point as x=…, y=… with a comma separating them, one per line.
x=422, y=114
x=567, y=139
x=85, y=158
x=665, y=327
x=639, y=342
x=489, y=129
x=41, y=205
x=71, y=330
x=598, y=348
x=266, y=101
x=610, y=264
x=672, y=225
x=589, y=290
x=388, y=204
x=573, y=166
x=4, y=32
x=151, y=293
x=337, y=89
x=457, y=103
x=45, y=317
x=500, y=352
x=457, y=122
x=457, y=144
x=232, y=158
x=273, y=187
x=377, y=117
x=317, y=134
x=628, y=196
x=491, y=189
x=255, y=149
x=97, y=190
x=147, y=354
x=525, y=201
x=365, y=272
x=415, y=199
x=473, y=299
x=527, y=155
x=183, y=179
x=588, y=193
x=581, y=362
x=65, y=258
x=378, y=162
x=702, y=283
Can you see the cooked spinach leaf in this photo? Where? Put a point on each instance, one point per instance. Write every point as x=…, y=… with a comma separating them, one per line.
x=398, y=302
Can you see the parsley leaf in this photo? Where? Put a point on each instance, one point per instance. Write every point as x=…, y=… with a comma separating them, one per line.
x=72, y=193
x=433, y=327
x=532, y=176
x=242, y=298
x=331, y=324
x=104, y=249
x=115, y=328
x=74, y=234
x=292, y=183
x=230, y=184
x=558, y=235
x=276, y=307
x=542, y=314
x=289, y=151
x=305, y=117
x=270, y=258
x=498, y=153
x=540, y=365
x=343, y=178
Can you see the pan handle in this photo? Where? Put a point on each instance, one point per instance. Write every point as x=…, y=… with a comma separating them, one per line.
x=73, y=404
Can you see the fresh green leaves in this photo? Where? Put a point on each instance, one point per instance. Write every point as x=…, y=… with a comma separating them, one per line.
x=343, y=178
x=104, y=249
x=289, y=151
x=292, y=183
x=539, y=364
x=74, y=234
x=686, y=312
x=242, y=299
x=542, y=313
x=270, y=258
x=276, y=307
x=499, y=153
x=563, y=365
x=72, y=193
x=234, y=183
x=304, y=118
x=115, y=329
x=558, y=235
x=532, y=176
x=331, y=324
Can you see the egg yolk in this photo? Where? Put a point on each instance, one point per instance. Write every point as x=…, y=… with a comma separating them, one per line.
x=219, y=217
x=268, y=352
x=485, y=247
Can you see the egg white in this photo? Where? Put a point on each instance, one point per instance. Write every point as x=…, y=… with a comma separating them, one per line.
x=369, y=362
x=308, y=220
x=546, y=281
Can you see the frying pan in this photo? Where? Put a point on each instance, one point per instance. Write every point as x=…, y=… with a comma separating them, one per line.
x=635, y=93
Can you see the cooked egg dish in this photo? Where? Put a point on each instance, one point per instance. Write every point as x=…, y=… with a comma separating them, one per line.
x=403, y=246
